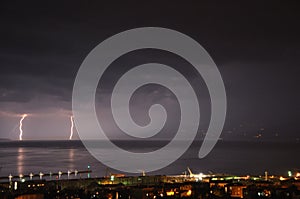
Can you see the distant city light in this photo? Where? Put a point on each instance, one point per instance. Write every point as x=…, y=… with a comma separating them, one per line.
x=200, y=176
x=189, y=193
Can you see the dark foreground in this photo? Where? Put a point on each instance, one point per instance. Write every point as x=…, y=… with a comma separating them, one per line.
x=140, y=187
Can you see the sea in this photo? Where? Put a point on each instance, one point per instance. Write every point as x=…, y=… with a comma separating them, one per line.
x=227, y=157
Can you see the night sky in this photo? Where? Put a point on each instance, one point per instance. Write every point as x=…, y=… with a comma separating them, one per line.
x=255, y=45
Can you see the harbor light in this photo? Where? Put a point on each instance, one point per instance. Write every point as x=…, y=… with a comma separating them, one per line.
x=41, y=175
x=21, y=176
x=59, y=174
x=69, y=172
x=10, y=177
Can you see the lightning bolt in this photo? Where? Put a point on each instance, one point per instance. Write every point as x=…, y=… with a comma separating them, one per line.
x=72, y=127
x=21, y=125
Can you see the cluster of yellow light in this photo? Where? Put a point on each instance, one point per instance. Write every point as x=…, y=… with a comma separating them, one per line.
x=38, y=185
x=189, y=193
x=170, y=193
x=282, y=178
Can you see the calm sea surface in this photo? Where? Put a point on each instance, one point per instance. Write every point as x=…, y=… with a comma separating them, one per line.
x=227, y=157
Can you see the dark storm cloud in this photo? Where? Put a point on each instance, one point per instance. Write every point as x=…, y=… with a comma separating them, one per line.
x=255, y=46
